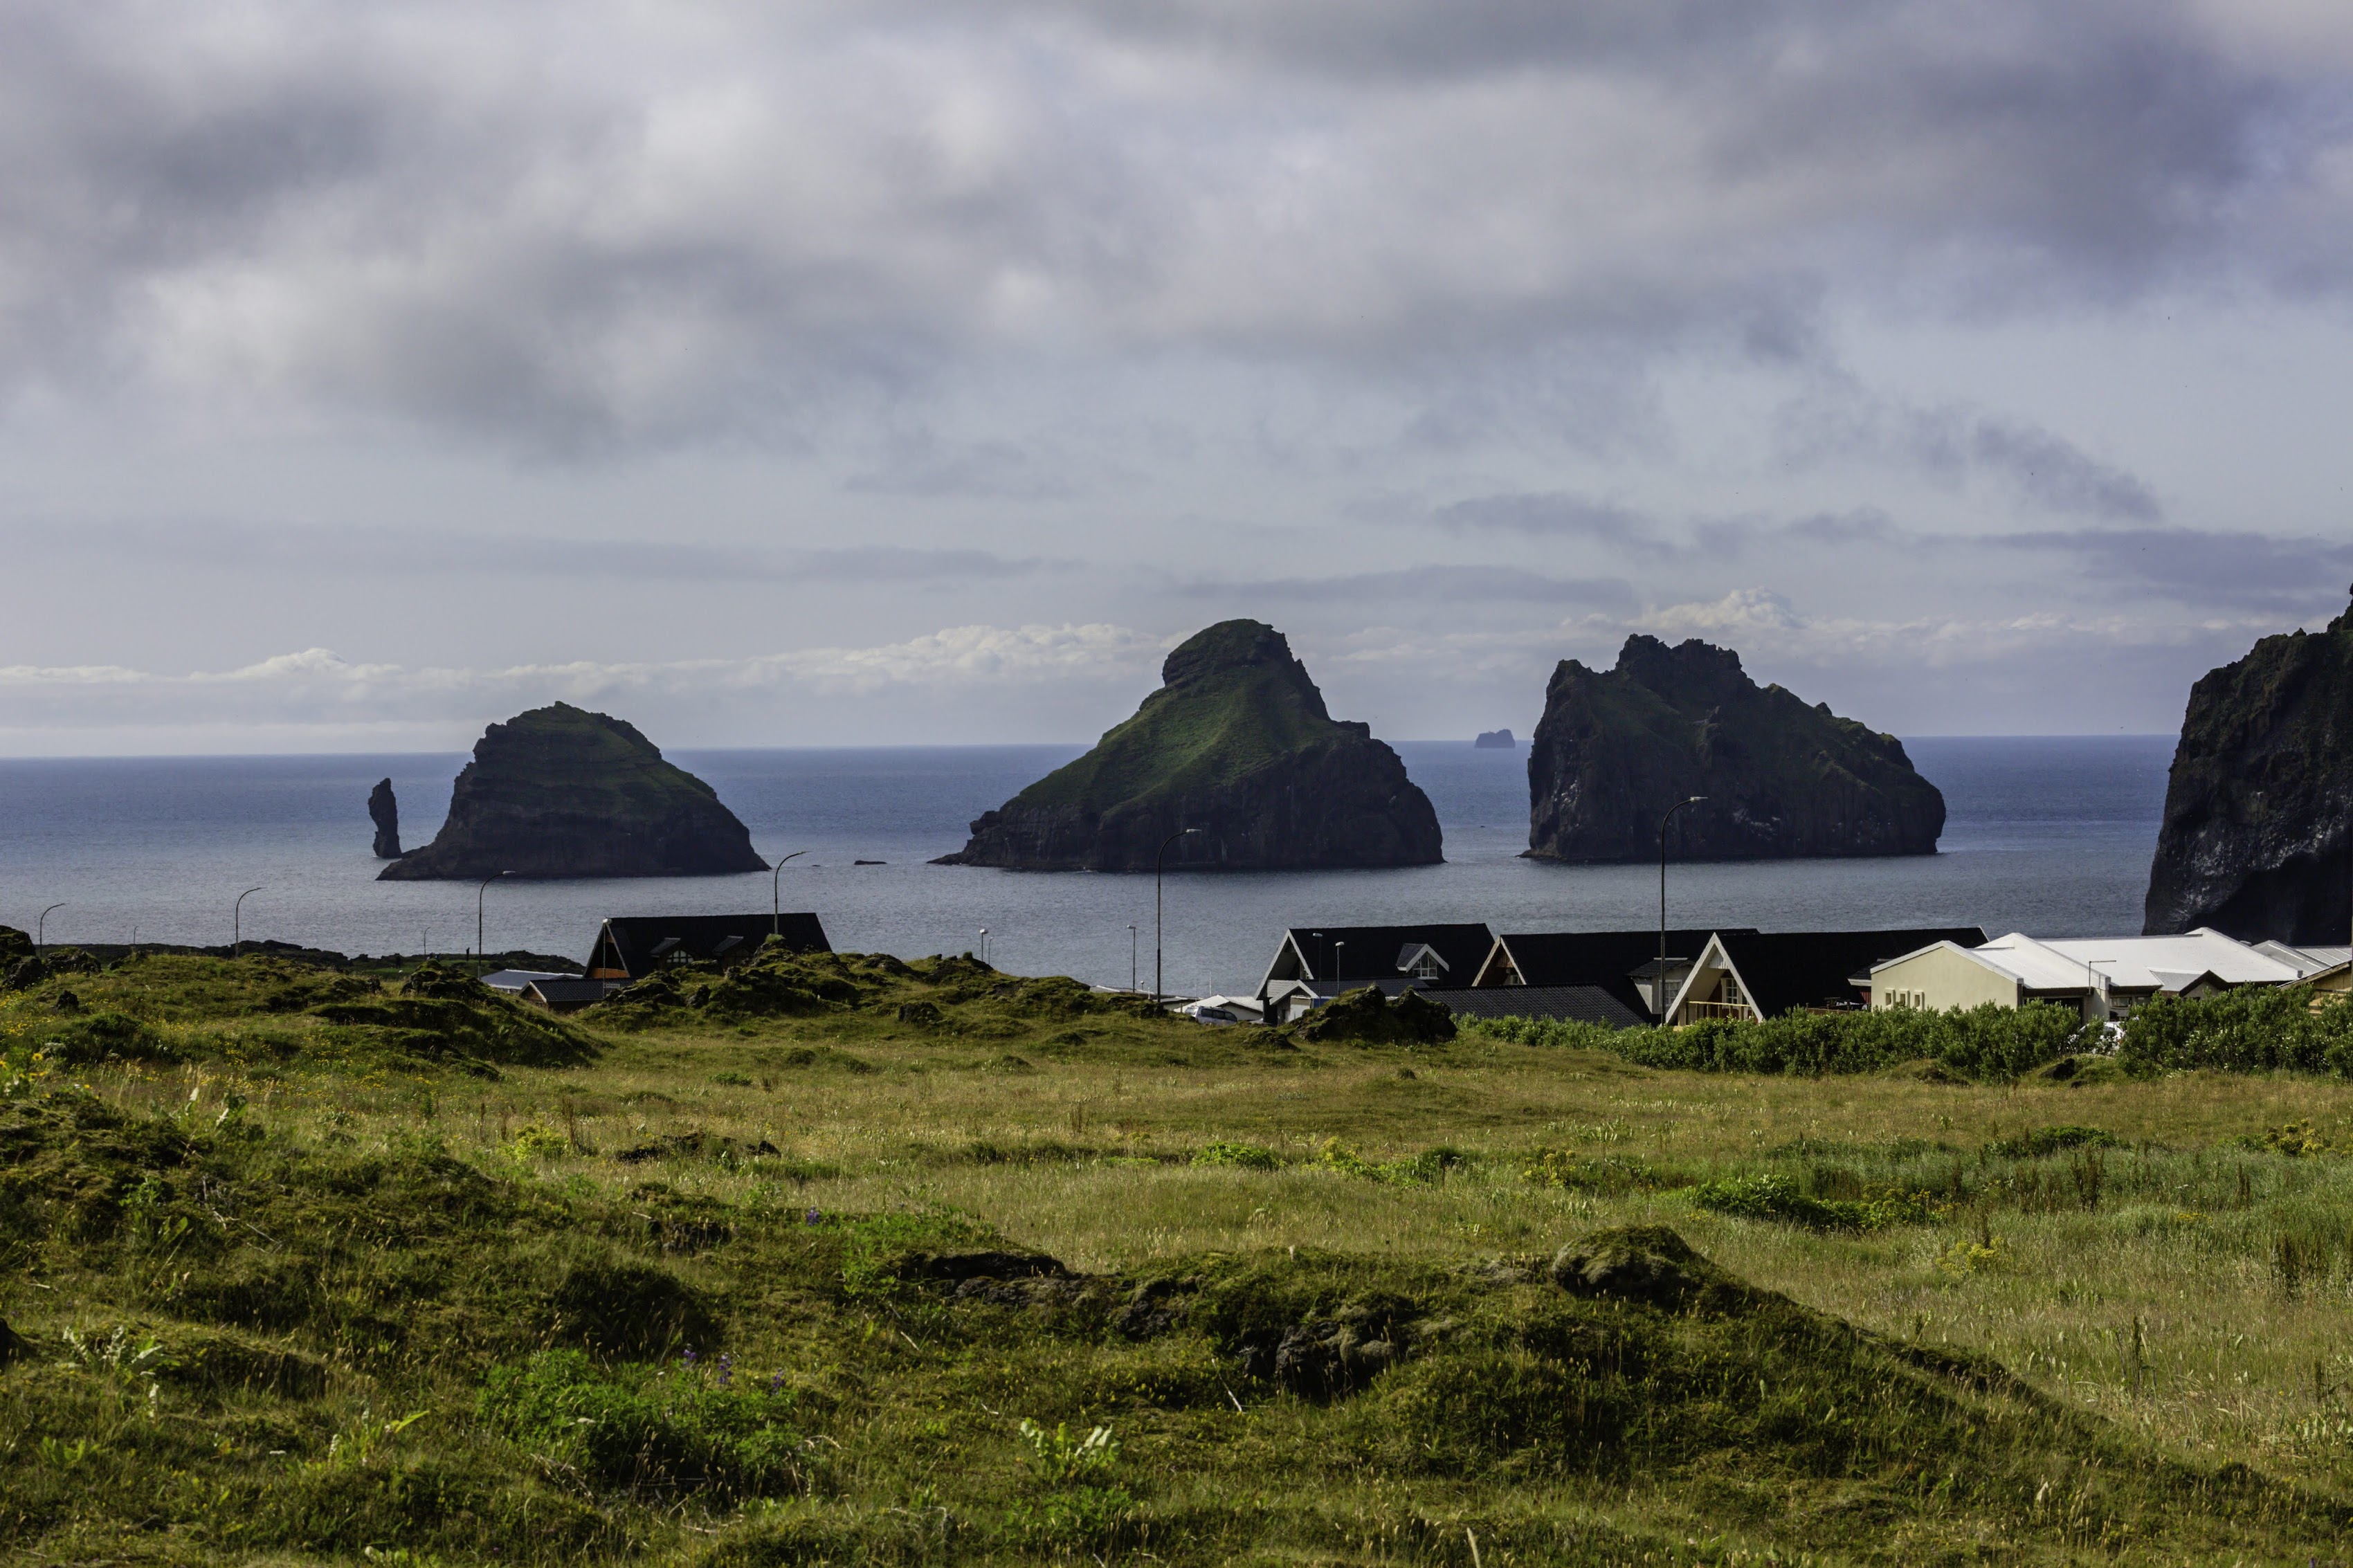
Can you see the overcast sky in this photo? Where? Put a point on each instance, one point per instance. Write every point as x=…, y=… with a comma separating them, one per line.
x=814, y=373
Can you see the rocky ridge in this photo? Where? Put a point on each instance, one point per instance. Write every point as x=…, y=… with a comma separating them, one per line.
x=1783, y=779
x=1238, y=743
x=2256, y=837
x=561, y=791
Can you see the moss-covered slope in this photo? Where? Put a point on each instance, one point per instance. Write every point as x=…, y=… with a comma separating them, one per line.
x=2256, y=814
x=1615, y=749
x=1236, y=742
x=561, y=791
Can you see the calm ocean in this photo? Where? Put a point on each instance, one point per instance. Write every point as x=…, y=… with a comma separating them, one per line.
x=2048, y=835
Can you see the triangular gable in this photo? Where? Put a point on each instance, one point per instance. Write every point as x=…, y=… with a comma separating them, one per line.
x=1713, y=959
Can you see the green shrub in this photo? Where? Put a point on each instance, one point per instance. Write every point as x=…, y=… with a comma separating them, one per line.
x=1249, y=1156
x=2253, y=1029
x=1987, y=1042
x=1779, y=1198
x=2045, y=1141
x=641, y=1428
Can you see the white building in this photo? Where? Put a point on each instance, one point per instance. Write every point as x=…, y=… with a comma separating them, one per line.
x=2107, y=977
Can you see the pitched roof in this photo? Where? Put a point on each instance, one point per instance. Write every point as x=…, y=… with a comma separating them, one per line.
x=1364, y=953
x=1578, y=1004
x=1785, y=971
x=641, y=942
x=1607, y=959
x=2170, y=964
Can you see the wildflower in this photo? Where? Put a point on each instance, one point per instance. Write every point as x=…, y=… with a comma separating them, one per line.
x=726, y=1370
x=814, y=1217
x=688, y=1359
x=776, y=1384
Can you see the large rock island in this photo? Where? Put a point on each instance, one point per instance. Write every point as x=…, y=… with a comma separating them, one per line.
x=561, y=791
x=1783, y=780
x=2255, y=840
x=1236, y=742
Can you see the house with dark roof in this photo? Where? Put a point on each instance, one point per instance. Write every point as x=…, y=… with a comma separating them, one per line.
x=1622, y=963
x=1765, y=974
x=1569, y=1003
x=630, y=947
x=1311, y=964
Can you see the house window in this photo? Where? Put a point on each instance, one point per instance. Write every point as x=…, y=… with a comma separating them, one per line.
x=1426, y=966
x=1732, y=990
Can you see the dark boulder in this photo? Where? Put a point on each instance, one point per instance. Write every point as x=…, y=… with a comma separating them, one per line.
x=1783, y=780
x=1364, y=1018
x=2259, y=808
x=1238, y=743
x=559, y=791
x=384, y=811
x=16, y=946
x=1646, y=1263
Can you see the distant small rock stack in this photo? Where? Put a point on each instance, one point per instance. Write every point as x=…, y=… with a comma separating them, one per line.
x=561, y=791
x=1783, y=780
x=1495, y=740
x=2259, y=810
x=385, y=813
x=1238, y=743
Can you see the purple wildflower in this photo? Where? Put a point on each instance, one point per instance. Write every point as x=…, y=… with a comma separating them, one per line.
x=688, y=1357
x=814, y=1217
x=726, y=1370
x=776, y=1383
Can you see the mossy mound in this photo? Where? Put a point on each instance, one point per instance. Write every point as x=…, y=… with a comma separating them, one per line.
x=284, y=1301
x=1364, y=1018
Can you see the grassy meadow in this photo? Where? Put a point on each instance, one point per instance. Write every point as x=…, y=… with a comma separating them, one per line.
x=846, y=1260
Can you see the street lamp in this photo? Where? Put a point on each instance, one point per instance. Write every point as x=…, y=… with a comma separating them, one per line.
x=237, y=919
x=1659, y=980
x=1339, y=966
x=1131, y=958
x=41, y=927
x=493, y=877
x=1180, y=833
x=984, y=947
x=776, y=894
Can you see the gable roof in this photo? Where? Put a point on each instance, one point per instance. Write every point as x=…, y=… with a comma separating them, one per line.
x=1367, y=953
x=1607, y=959
x=1782, y=972
x=2164, y=964
x=637, y=944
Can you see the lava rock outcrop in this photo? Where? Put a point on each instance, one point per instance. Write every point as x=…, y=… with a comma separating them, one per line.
x=384, y=810
x=2256, y=837
x=561, y=791
x=1783, y=779
x=1238, y=743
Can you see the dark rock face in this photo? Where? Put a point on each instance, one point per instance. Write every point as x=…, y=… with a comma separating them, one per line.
x=1236, y=742
x=2256, y=814
x=1783, y=780
x=559, y=791
x=1496, y=740
x=1362, y=1017
x=384, y=811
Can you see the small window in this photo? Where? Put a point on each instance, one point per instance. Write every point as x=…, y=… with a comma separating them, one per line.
x=1732, y=990
x=1426, y=967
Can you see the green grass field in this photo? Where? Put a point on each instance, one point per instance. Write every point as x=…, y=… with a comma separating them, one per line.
x=850, y=1261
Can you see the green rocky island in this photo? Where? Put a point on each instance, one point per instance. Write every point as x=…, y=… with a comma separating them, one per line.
x=562, y=792
x=2255, y=840
x=1783, y=779
x=1238, y=743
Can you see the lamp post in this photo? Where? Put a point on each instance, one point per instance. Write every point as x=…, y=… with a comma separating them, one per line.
x=1659, y=980
x=237, y=919
x=984, y=947
x=1339, y=966
x=479, y=949
x=776, y=894
x=1156, y=858
x=41, y=928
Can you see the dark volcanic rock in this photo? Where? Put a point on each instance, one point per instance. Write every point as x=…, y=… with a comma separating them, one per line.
x=384, y=811
x=559, y=791
x=1496, y=740
x=2255, y=840
x=1236, y=742
x=1783, y=780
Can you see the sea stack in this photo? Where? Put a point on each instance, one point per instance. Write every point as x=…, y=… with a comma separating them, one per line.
x=384, y=811
x=1236, y=742
x=2255, y=841
x=561, y=791
x=1783, y=780
x=1496, y=740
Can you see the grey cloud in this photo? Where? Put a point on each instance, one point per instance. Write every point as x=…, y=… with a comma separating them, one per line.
x=1555, y=514
x=2246, y=570
x=927, y=466
x=242, y=547
x=1951, y=446
x=1435, y=584
x=581, y=226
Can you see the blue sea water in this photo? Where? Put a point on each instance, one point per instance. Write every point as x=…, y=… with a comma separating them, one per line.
x=2049, y=836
